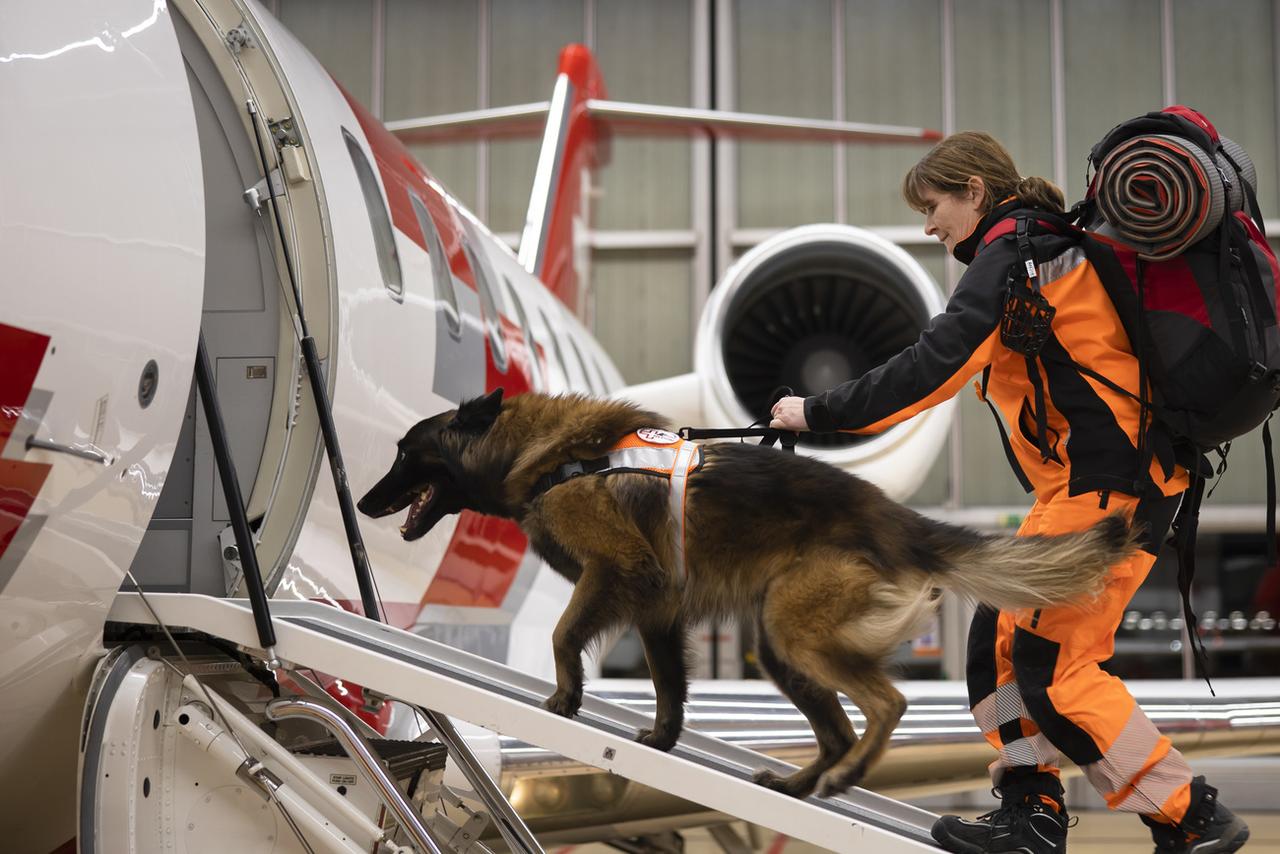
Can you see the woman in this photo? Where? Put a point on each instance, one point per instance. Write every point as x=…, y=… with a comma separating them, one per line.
x=1035, y=685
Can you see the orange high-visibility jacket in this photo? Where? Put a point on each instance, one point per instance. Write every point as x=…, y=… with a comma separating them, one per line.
x=1092, y=429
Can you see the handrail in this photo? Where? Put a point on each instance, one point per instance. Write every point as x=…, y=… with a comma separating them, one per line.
x=362, y=754
x=508, y=822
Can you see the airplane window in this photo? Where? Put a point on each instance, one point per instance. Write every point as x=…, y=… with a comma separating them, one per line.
x=484, y=284
x=555, y=347
x=383, y=239
x=441, y=278
x=582, y=365
x=534, y=374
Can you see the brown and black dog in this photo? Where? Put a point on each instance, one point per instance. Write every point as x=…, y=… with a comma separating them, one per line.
x=834, y=574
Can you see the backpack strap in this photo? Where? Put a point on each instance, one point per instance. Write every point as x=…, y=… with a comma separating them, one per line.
x=1042, y=418
x=1004, y=435
x=1146, y=448
x=1234, y=310
x=1242, y=249
x=1251, y=198
x=1024, y=324
x=1184, y=526
x=1026, y=272
x=997, y=231
x=1271, y=491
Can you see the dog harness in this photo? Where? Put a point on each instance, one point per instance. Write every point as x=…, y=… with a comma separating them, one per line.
x=646, y=451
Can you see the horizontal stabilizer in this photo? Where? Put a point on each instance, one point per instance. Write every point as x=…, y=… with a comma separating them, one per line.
x=621, y=117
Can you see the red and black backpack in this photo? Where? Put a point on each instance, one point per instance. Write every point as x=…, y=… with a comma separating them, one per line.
x=1171, y=225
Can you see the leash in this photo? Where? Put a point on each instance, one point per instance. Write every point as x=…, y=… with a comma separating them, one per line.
x=768, y=435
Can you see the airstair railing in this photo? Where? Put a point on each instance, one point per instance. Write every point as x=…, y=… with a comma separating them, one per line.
x=362, y=754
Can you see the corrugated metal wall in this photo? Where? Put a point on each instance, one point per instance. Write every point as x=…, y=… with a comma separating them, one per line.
x=1047, y=77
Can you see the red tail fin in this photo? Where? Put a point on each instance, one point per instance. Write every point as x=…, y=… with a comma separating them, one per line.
x=572, y=144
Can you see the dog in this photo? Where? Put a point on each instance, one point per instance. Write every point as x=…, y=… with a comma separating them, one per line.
x=834, y=574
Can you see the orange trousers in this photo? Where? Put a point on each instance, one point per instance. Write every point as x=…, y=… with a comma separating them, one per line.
x=1036, y=688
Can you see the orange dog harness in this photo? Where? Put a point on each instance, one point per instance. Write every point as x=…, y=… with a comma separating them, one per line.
x=646, y=451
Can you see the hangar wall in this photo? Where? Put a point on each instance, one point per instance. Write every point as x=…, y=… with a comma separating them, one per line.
x=1047, y=77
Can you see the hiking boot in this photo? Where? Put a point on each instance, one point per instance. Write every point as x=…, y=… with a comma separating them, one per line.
x=1024, y=823
x=1207, y=828
x=1027, y=827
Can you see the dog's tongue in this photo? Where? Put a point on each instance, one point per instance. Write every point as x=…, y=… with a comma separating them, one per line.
x=415, y=510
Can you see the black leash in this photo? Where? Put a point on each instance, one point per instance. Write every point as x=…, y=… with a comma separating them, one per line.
x=768, y=435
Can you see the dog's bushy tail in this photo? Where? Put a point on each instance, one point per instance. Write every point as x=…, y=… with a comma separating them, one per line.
x=1037, y=571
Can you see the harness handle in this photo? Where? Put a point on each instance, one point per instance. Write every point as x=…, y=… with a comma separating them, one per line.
x=768, y=435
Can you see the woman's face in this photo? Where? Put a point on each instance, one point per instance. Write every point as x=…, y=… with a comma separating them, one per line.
x=951, y=217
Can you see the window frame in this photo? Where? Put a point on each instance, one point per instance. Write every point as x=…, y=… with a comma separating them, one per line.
x=375, y=203
x=441, y=276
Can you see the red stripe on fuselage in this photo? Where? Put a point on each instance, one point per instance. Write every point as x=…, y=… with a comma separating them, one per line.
x=21, y=354
x=482, y=559
x=402, y=175
x=480, y=564
x=20, y=483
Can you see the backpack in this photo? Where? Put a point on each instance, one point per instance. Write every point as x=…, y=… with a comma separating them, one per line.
x=1171, y=224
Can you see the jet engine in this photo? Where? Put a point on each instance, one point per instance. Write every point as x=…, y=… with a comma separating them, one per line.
x=811, y=308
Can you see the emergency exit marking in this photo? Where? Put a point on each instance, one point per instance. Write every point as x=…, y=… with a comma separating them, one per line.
x=255, y=372
x=342, y=779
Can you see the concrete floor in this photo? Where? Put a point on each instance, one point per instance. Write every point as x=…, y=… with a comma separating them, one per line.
x=1097, y=833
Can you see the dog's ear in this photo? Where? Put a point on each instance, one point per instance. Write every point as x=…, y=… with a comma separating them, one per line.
x=478, y=414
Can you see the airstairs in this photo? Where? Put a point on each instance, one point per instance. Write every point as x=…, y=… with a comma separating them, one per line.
x=456, y=684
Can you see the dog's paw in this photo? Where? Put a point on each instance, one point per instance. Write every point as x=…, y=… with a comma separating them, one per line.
x=657, y=740
x=765, y=777
x=784, y=785
x=835, y=782
x=564, y=703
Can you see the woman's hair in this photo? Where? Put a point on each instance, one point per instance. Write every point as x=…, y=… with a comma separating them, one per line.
x=950, y=164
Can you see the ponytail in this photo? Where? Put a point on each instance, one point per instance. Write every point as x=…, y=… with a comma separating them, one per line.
x=950, y=164
x=1036, y=192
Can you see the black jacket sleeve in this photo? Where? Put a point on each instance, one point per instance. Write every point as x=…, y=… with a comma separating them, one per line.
x=958, y=343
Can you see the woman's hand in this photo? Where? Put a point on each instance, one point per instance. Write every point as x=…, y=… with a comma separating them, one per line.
x=788, y=414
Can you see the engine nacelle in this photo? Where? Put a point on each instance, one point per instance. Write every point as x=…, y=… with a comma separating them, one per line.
x=811, y=308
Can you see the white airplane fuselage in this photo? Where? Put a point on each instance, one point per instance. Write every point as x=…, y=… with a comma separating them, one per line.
x=127, y=150
x=103, y=232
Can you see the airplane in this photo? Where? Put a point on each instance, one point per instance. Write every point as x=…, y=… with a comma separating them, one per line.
x=191, y=200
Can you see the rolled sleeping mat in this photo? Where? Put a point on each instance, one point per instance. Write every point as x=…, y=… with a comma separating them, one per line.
x=1160, y=193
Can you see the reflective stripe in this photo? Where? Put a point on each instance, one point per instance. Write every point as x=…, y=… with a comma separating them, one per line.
x=1126, y=756
x=687, y=458
x=656, y=459
x=1056, y=268
x=1124, y=761
x=1158, y=785
x=999, y=708
x=676, y=460
x=1029, y=750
